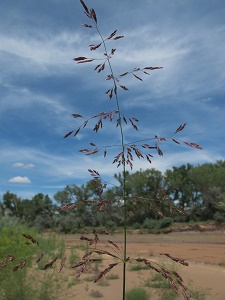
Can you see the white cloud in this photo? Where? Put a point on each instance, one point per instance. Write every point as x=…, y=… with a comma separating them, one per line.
x=66, y=166
x=19, y=179
x=23, y=165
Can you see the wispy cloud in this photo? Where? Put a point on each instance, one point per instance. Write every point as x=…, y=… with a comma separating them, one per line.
x=41, y=49
x=23, y=165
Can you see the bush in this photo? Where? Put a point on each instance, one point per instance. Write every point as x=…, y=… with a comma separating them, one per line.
x=110, y=225
x=43, y=222
x=137, y=294
x=157, y=224
x=19, y=284
x=69, y=223
x=219, y=217
x=151, y=224
x=166, y=222
x=9, y=222
x=136, y=225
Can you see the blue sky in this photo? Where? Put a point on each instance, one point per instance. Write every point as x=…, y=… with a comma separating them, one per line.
x=41, y=86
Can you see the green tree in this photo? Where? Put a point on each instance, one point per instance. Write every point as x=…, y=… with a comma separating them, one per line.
x=209, y=179
x=11, y=201
x=146, y=184
x=83, y=215
x=74, y=193
x=181, y=187
x=143, y=183
x=40, y=207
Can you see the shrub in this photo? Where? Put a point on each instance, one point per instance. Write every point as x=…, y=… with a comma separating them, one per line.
x=166, y=222
x=151, y=224
x=136, y=225
x=219, y=217
x=69, y=224
x=43, y=222
x=18, y=284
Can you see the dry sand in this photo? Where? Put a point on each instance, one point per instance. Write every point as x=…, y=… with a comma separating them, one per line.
x=205, y=253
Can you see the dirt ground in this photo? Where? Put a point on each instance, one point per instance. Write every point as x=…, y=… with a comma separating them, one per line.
x=204, y=251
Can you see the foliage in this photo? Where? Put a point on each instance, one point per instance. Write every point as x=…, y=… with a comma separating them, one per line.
x=138, y=267
x=166, y=222
x=150, y=224
x=137, y=294
x=201, y=199
x=158, y=282
x=198, y=293
x=18, y=284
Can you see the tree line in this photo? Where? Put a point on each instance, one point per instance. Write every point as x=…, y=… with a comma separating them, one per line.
x=198, y=191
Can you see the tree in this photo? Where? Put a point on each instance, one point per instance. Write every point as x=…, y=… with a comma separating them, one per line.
x=11, y=202
x=146, y=184
x=209, y=180
x=181, y=187
x=79, y=195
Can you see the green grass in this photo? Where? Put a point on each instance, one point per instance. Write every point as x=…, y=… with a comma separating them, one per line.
x=73, y=256
x=197, y=293
x=157, y=281
x=137, y=294
x=138, y=267
x=168, y=295
x=26, y=283
x=73, y=282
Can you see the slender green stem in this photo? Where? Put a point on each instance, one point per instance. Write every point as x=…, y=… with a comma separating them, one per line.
x=124, y=167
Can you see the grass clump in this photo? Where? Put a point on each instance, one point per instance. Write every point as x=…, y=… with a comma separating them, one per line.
x=138, y=267
x=103, y=282
x=112, y=276
x=137, y=294
x=197, y=293
x=157, y=281
x=96, y=294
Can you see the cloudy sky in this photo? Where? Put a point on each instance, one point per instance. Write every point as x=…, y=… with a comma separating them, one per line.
x=41, y=86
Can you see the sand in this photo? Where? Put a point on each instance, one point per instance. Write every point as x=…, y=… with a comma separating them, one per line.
x=204, y=252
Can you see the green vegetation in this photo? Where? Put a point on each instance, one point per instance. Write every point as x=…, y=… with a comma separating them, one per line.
x=137, y=294
x=157, y=281
x=138, y=267
x=198, y=190
x=19, y=284
x=197, y=293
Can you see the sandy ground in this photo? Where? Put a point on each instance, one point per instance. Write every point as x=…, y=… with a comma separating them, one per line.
x=205, y=253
